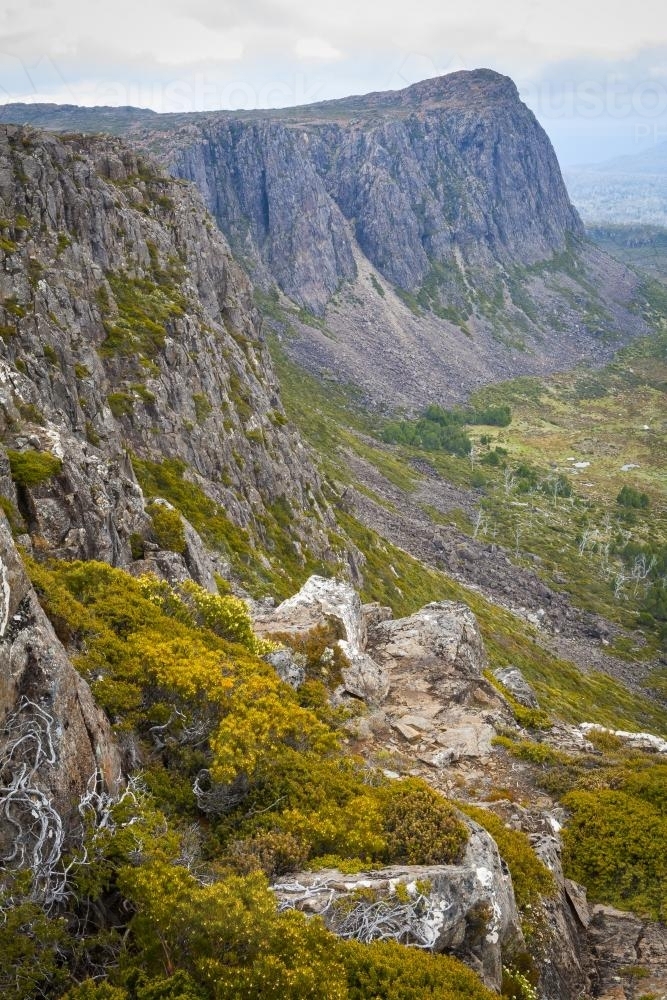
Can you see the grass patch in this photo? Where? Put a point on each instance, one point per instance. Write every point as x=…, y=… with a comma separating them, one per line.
x=266, y=564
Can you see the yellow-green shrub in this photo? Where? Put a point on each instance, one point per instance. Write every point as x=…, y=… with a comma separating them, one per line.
x=420, y=826
x=167, y=528
x=30, y=468
x=384, y=970
x=616, y=844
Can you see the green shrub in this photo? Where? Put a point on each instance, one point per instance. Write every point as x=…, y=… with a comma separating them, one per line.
x=203, y=407
x=420, y=826
x=323, y=658
x=167, y=528
x=121, y=404
x=384, y=970
x=13, y=308
x=442, y=434
x=631, y=498
x=30, y=468
x=144, y=310
x=137, y=545
x=616, y=845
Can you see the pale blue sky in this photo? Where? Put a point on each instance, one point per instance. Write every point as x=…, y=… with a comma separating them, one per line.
x=594, y=71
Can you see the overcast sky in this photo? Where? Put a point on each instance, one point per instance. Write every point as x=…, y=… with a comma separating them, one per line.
x=594, y=71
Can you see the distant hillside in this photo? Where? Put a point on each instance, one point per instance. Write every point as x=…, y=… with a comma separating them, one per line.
x=628, y=190
x=649, y=162
x=643, y=247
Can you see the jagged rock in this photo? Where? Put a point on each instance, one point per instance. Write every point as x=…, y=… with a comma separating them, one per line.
x=438, y=696
x=288, y=666
x=364, y=678
x=517, y=685
x=638, y=741
x=629, y=953
x=42, y=693
x=105, y=234
x=320, y=601
x=440, y=644
x=567, y=969
x=468, y=909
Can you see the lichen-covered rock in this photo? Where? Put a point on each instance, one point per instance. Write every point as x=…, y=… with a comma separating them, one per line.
x=517, y=685
x=288, y=666
x=467, y=909
x=321, y=601
x=647, y=742
x=364, y=678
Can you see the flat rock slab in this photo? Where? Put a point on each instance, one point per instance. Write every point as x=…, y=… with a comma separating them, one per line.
x=466, y=741
x=407, y=731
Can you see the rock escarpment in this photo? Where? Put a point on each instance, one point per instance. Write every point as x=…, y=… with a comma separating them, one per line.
x=451, y=174
x=128, y=332
x=427, y=229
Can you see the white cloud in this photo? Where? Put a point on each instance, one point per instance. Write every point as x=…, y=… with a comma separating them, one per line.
x=315, y=48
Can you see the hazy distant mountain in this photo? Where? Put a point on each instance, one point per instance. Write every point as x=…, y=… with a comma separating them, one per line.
x=626, y=190
x=651, y=161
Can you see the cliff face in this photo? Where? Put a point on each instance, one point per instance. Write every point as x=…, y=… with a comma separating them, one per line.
x=452, y=173
x=129, y=331
x=422, y=240
x=260, y=183
x=428, y=230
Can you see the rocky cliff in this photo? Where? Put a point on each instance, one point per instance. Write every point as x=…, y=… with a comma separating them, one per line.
x=451, y=174
x=130, y=342
x=427, y=229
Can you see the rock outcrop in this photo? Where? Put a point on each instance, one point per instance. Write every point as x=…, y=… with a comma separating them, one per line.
x=439, y=700
x=321, y=601
x=513, y=680
x=630, y=954
x=467, y=909
x=129, y=332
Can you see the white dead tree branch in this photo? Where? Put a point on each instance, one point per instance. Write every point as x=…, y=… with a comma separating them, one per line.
x=215, y=799
x=413, y=921
x=27, y=746
x=27, y=739
x=411, y=917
